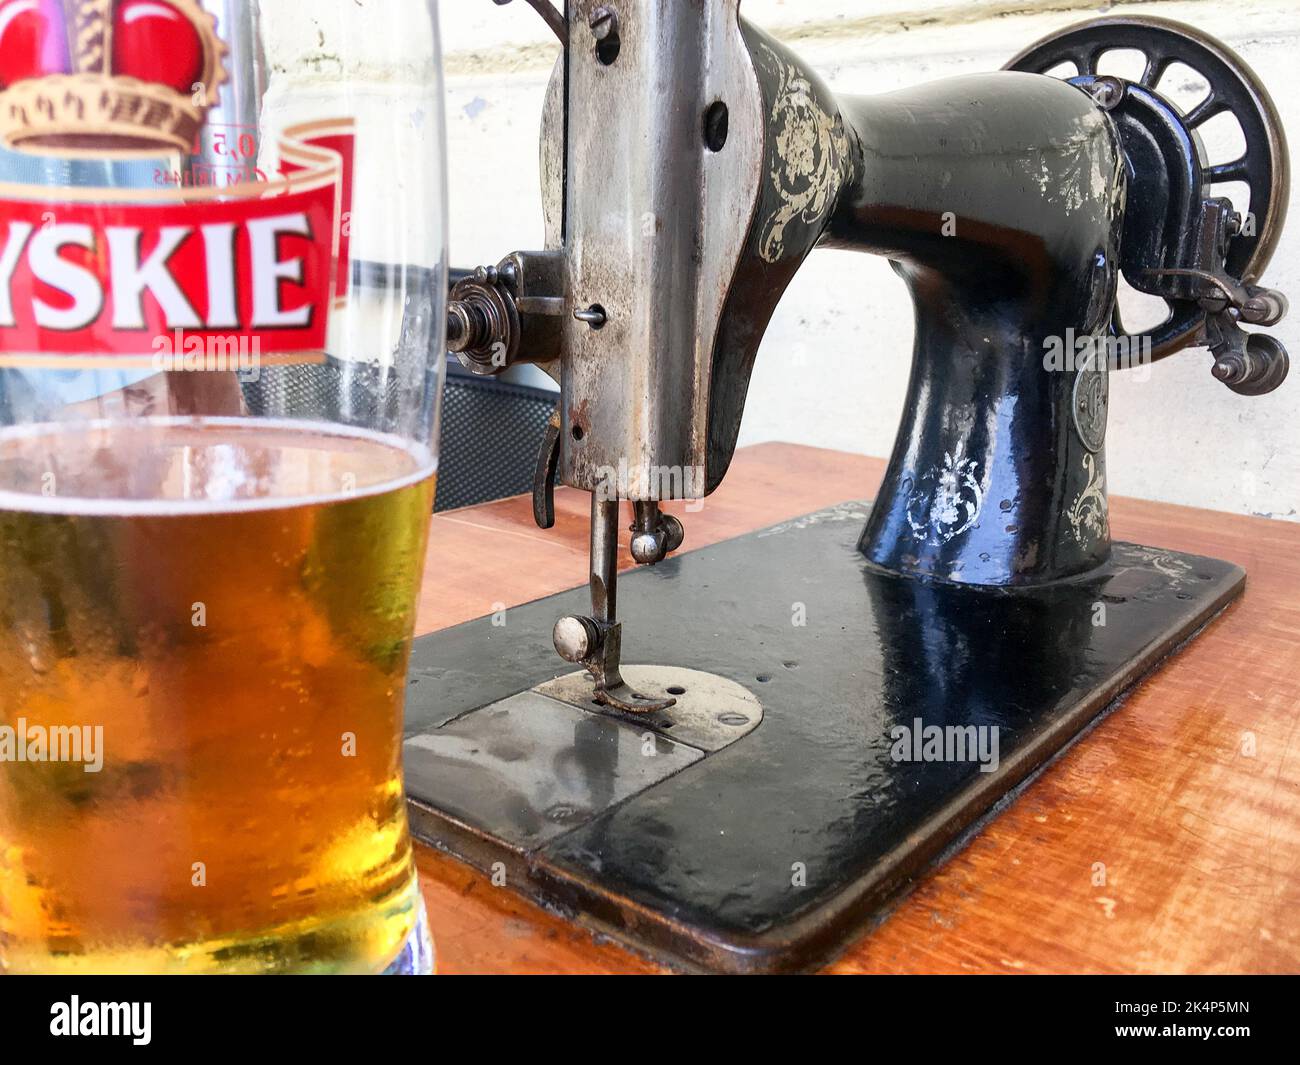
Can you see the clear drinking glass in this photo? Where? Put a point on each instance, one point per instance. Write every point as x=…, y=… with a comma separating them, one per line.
x=222, y=278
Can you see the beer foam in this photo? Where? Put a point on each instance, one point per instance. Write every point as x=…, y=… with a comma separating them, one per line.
x=173, y=466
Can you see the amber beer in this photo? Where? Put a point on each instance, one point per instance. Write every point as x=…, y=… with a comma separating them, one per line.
x=232, y=602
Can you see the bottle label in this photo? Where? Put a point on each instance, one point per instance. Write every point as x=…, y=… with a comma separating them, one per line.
x=215, y=250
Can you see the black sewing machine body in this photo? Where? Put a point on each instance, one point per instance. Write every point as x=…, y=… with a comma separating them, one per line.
x=757, y=795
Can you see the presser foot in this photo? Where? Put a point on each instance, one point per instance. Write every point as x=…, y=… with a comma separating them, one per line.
x=625, y=699
x=597, y=646
x=709, y=711
x=596, y=641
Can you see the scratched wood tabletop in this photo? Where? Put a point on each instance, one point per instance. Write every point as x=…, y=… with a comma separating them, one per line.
x=1188, y=797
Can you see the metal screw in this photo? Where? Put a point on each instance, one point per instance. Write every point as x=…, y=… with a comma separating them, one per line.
x=1255, y=309
x=1265, y=308
x=1230, y=369
x=458, y=327
x=576, y=637
x=647, y=548
x=594, y=315
x=467, y=327
x=604, y=21
x=1107, y=92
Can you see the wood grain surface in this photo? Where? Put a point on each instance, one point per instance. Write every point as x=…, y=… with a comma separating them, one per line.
x=1168, y=840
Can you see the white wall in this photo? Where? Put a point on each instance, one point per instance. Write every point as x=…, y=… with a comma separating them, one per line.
x=834, y=364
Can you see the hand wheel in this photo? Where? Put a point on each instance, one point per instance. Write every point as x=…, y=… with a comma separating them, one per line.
x=1263, y=166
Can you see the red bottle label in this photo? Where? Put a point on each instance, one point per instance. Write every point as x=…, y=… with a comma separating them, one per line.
x=217, y=251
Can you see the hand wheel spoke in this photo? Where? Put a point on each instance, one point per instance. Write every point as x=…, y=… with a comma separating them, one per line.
x=1154, y=70
x=1206, y=109
x=1085, y=59
x=1237, y=170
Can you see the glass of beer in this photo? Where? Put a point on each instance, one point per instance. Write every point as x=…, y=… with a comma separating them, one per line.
x=222, y=285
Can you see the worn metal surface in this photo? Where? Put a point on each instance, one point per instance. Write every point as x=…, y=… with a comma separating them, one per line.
x=709, y=712
x=531, y=768
x=771, y=853
x=654, y=223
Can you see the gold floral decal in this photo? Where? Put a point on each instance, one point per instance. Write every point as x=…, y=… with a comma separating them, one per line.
x=812, y=156
x=1088, y=515
x=946, y=501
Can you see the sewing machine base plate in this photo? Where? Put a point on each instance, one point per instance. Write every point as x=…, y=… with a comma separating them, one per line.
x=896, y=716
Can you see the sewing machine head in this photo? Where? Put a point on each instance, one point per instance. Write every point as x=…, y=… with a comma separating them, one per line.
x=691, y=163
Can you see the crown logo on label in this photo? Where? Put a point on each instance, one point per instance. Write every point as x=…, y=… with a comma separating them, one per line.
x=106, y=78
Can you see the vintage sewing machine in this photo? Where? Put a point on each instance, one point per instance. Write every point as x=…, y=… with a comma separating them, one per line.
x=830, y=705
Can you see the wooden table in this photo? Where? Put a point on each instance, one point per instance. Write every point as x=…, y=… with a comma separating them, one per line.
x=1166, y=841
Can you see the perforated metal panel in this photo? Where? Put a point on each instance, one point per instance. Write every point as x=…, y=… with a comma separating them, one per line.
x=491, y=433
x=353, y=393
x=491, y=430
